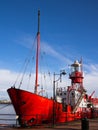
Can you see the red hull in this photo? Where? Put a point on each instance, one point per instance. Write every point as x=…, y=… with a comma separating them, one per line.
x=30, y=107
x=34, y=109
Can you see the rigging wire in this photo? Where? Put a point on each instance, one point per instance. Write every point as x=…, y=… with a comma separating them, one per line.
x=45, y=61
x=43, y=75
x=30, y=74
x=24, y=73
x=25, y=64
x=41, y=84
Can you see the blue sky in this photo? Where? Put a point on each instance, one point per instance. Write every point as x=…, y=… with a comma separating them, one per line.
x=69, y=31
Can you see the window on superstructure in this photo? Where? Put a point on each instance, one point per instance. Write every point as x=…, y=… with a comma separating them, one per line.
x=60, y=94
x=57, y=94
x=73, y=95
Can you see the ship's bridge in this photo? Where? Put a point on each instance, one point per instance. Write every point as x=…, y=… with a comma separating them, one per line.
x=61, y=94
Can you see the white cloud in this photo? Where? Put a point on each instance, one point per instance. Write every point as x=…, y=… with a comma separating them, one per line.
x=28, y=41
x=48, y=49
x=8, y=77
x=91, y=79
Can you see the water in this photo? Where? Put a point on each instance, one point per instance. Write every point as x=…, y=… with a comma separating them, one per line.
x=7, y=114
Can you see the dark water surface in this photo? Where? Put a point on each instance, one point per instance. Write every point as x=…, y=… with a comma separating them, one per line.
x=7, y=114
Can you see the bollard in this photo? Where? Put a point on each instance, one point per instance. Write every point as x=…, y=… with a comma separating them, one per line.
x=85, y=124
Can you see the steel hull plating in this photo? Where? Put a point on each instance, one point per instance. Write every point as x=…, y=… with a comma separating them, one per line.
x=30, y=107
x=34, y=109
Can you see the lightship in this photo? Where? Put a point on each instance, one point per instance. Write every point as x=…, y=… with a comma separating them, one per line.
x=66, y=105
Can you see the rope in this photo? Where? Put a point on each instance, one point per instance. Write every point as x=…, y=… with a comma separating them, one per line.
x=30, y=76
x=43, y=75
x=47, y=67
x=24, y=73
x=25, y=64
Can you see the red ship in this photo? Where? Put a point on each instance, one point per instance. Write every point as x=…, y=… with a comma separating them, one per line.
x=65, y=105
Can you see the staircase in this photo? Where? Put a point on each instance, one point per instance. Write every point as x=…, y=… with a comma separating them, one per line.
x=79, y=101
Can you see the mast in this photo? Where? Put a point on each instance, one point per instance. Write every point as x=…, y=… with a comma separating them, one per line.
x=37, y=53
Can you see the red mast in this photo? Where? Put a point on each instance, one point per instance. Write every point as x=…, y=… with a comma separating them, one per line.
x=37, y=53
